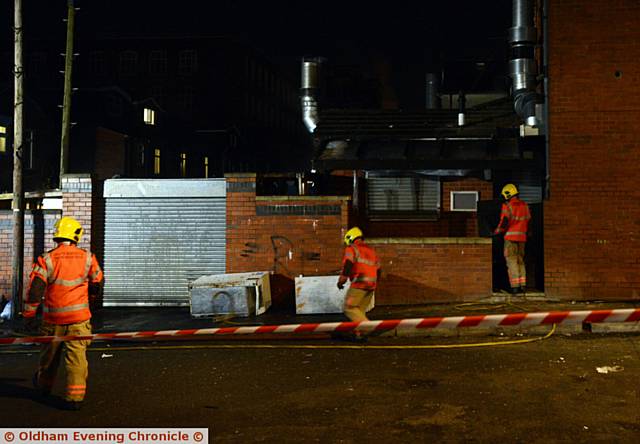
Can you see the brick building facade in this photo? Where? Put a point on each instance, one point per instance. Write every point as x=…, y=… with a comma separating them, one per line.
x=591, y=218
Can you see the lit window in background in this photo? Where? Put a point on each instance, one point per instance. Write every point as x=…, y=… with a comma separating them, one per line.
x=3, y=139
x=149, y=116
x=206, y=167
x=183, y=164
x=156, y=161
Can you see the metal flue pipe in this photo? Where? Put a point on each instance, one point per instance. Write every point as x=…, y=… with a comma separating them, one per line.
x=309, y=91
x=522, y=66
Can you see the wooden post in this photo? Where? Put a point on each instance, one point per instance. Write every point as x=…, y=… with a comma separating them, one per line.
x=17, y=203
x=66, y=103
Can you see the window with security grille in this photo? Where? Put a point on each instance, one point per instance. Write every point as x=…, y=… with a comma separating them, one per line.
x=403, y=197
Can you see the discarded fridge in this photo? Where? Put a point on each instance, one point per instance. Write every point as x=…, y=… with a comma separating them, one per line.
x=320, y=294
x=238, y=294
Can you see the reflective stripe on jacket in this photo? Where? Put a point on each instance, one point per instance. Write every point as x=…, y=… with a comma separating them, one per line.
x=516, y=213
x=364, y=274
x=66, y=271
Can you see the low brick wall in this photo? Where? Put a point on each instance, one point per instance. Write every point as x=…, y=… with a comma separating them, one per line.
x=289, y=235
x=425, y=270
x=293, y=235
x=38, y=230
x=77, y=195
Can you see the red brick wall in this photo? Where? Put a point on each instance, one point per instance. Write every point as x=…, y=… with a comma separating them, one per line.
x=269, y=233
x=77, y=196
x=591, y=219
x=36, y=241
x=418, y=271
x=77, y=202
x=449, y=224
x=288, y=243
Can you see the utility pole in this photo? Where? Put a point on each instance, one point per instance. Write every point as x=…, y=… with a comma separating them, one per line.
x=17, y=203
x=66, y=103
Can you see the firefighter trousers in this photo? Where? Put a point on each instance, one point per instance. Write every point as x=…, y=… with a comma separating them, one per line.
x=356, y=303
x=74, y=354
x=514, y=256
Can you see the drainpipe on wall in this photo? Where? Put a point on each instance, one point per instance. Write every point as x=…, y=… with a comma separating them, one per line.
x=309, y=91
x=545, y=67
x=432, y=91
x=522, y=66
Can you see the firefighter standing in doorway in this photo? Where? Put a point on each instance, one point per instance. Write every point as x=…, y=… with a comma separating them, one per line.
x=65, y=279
x=514, y=223
x=360, y=264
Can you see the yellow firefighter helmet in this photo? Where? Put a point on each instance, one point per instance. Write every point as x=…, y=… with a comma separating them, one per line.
x=352, y=235
x=68, y=228
x=509, y=190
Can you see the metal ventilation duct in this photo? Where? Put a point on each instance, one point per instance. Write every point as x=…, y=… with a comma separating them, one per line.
x=522, y=67
x=309, y=91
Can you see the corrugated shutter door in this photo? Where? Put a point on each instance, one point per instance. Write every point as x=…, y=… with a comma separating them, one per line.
x=155, y=246
x=529, y=186
x=402, y=194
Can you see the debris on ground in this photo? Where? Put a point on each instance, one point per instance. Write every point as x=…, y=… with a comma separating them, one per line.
x=104, y=355
x=609, y=369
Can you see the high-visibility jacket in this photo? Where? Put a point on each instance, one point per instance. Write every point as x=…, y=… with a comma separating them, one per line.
x=66, y=271
x=514, y=220
x=364, y=273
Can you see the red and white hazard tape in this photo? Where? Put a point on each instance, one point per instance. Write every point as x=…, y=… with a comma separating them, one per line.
x=495, y=320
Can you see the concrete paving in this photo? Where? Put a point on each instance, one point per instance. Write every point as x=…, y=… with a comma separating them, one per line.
x=581, y=388
x=128, y=319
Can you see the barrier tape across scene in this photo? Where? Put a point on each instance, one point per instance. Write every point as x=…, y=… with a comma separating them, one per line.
x=491, y=320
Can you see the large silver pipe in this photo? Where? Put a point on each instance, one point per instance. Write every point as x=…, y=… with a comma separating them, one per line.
x=432, y=91
x=522, y=66
x=310, y=77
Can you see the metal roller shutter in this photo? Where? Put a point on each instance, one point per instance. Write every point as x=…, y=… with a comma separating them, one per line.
x=402, y=195
x=159, y=235
x=529, y=185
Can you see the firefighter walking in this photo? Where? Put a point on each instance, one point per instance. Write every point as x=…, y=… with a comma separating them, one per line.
x=64, y=280
x=514, y=223
x=361, y=265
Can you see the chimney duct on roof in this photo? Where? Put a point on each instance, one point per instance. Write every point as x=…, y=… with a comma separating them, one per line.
x=522, y=66
x=432, y=85
x=309, y=91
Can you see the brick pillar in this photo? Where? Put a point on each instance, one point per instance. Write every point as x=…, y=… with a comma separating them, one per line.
x=76, y=203
x=241, y=217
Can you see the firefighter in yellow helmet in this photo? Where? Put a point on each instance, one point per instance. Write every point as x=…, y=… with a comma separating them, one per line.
x=360, y=265
x=514, y=223
x=64, y=280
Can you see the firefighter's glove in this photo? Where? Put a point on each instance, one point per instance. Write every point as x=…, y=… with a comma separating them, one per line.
x=494, y=235
x=341, y=281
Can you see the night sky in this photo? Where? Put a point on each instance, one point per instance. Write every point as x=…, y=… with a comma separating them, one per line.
x=409, y=38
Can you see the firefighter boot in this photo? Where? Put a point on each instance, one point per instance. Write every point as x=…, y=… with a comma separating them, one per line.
x=42, y=391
